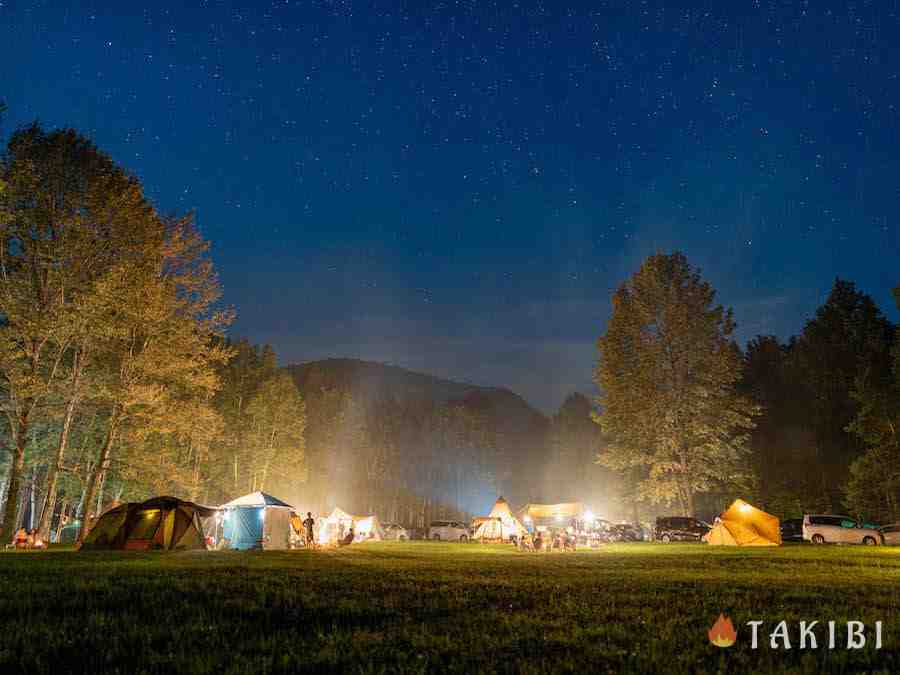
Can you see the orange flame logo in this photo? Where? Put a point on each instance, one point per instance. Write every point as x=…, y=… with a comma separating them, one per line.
x=722, y=634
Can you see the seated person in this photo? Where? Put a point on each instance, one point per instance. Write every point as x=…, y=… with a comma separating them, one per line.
x=21, y=538
x=348, y=539
x=37, y=542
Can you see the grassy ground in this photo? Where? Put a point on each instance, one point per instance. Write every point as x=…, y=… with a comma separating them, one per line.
x=440, y=607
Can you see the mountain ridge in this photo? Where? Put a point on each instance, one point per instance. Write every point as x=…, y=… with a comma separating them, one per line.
x=381, y=379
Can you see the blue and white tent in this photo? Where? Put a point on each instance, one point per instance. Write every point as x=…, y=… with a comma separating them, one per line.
x=257, y=520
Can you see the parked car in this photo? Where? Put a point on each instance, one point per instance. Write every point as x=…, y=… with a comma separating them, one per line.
x=418, y=533
x=679, y=528
x=890, y=534
x=821, y=529
x=625, y=532
x=792, y=529
x=602, y=531
x=449, y=530
x=395, y=532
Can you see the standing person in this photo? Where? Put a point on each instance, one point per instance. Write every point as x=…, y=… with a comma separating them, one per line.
x=309, y=524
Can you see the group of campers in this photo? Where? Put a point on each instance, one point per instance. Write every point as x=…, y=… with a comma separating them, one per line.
x=551, y=540
x=27, y=540
x=535, y=527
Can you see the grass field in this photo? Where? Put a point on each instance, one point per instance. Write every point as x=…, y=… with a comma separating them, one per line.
x=441, y=607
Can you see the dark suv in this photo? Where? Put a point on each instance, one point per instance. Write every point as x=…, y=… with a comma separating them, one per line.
x=792, y=529
x=679, y=528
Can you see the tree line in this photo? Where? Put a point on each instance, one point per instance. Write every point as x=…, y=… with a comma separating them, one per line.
x=112, y=350
x=118, y=382
x=799, y=426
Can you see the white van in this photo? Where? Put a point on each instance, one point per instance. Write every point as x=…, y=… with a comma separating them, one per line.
x=449, y=530
x=821, y=529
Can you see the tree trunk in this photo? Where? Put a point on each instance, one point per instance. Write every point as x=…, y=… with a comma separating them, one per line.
x=195, y=475
x=97, y=475
x=61, y=523
x=55, y=468
x=100, y=486
x=689, y=501
x=16, y=468
x=5, y=489
x=32, y=497
x=56, y=465
x=79, y=509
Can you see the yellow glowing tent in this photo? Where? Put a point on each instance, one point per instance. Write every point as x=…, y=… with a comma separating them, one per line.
x=339, y=522
x=744, y=525
x=158, y=524
x=500, y=524
x=553, y=515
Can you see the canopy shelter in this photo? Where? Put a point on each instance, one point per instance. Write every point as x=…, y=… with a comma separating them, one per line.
x=744, y=525
x=337, y=524
x=161, y=523
x=551, y=515
x=256, y=520
x=500, y=524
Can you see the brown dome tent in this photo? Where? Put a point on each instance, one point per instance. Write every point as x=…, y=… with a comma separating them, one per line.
x=161, y=523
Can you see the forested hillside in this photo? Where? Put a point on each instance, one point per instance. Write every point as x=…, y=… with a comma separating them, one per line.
x=404, y=444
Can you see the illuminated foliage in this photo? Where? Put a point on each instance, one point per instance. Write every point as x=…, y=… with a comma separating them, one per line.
x=667, y=373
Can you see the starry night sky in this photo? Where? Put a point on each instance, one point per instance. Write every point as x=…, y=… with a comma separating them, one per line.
x=457, y=187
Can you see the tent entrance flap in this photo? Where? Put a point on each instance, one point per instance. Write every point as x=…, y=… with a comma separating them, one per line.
x=243, y=527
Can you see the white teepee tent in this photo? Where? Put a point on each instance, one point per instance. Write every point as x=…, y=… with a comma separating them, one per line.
x=500, y=525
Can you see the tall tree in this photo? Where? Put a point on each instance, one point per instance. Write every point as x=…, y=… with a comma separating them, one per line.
x=161, y=340
x=873, y=487
x=846, y=346
x=277, y=416
x=782, y=445
x=68, y=214
x=240, y=378
x=667, y=372
x=574, y=442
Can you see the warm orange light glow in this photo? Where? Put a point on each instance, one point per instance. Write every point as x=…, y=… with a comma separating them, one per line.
x=722, y=634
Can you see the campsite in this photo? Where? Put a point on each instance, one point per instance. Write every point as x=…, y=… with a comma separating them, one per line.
x=249, y=594
x=420, y=606
x=449, y=337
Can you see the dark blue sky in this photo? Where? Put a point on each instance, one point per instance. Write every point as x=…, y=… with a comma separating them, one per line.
x=457, y=187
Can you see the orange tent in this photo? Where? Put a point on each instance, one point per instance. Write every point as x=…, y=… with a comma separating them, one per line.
x=744, y=525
